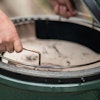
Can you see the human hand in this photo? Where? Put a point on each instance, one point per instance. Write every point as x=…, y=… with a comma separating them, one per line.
x=63, y=8
x=9, y=39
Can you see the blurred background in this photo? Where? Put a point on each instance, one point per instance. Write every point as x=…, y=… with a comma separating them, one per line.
x=15, y=8
x=25, y=7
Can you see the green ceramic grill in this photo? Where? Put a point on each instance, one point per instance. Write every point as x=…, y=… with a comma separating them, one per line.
x=60, y=60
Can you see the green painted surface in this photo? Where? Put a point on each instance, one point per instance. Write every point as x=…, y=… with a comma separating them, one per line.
x=11, y=89
x=98, y=1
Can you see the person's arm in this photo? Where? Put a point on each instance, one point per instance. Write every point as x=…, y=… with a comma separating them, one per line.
x=9, y=39
x=63, y=8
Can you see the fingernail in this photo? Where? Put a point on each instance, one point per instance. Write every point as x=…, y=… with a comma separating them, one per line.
x=19, y=49
x=18, y=46
x=10, y=51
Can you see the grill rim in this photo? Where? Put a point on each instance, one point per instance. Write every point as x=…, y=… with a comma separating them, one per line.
x=63, y=75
